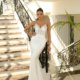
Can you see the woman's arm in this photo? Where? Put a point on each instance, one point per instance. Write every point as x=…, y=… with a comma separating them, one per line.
x=29, y=26
x=48, y=32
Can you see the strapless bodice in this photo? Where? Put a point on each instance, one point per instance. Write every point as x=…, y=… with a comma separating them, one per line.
x=40, y=30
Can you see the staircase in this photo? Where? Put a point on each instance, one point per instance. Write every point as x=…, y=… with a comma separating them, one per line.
x=70, y=63
x=14, y=53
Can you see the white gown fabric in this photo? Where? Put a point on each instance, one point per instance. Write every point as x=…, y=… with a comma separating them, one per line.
x=37, y=44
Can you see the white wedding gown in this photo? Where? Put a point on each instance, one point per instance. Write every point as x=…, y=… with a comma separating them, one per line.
x=37, y=44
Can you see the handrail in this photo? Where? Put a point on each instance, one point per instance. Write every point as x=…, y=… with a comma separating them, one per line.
x=69, y=56
x=69, y=46
x=23, y=15
x=25, y=20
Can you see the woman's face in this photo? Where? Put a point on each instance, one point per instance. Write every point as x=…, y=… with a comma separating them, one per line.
x=40, y=14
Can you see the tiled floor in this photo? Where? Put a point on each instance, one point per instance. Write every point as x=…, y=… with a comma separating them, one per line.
x=46, y=76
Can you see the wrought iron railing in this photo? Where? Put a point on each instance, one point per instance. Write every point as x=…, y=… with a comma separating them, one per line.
x=25, y=20
x=69, y=57
x=1, y=7
x=23, y=15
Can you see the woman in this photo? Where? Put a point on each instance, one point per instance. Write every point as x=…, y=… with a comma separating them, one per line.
x=38, y=42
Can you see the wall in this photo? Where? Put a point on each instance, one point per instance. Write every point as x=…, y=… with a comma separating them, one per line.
x=77, y=20
x=72, y=7
x=64, y=32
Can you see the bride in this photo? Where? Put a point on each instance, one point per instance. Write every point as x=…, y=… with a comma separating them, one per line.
x=38, y=41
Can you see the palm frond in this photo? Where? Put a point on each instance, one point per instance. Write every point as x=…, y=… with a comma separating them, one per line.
x=69, y=17
x=56, y=24
x=77, y=25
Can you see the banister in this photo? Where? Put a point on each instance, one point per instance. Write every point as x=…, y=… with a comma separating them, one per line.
x=69, y=46
x=69, y=57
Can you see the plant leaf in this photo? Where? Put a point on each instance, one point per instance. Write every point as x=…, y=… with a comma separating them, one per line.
x=69, y=17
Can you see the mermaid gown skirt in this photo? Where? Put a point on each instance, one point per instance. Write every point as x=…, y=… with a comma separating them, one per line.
x=38, y=43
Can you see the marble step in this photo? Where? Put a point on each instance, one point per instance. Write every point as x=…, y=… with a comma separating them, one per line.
x=8, y=26
x=6, y=16
x=13, y=48
x=8, y=12
x=9, y=31
x=14, y=75
x=14, y=65
x=12, y=42
x=14, y=39
x=10, y=36
x=8, y=21
x=14, y=56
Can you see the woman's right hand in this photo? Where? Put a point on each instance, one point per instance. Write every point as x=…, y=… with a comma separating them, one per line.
x=33, y=34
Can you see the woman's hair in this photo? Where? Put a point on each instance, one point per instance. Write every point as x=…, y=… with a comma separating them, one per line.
x=39, y=9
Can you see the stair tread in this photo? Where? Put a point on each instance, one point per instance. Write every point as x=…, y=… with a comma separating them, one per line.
x=11, y=36
x=7, y=19
x=15, y=72
x=9, y=29
x=14, y=46
x=6, y=15
x=8, y=23
x=13, y=63
x=13, y=54
x=10, y=41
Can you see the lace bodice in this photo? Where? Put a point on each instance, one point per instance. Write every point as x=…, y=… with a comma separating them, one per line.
x=40, y=30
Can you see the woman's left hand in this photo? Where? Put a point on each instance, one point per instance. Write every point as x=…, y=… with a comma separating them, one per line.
x=49, y=48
